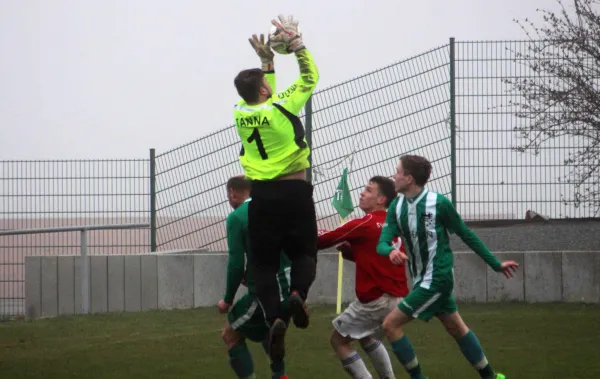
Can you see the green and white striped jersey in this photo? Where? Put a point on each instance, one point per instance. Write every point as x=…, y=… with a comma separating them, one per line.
x=424, y=224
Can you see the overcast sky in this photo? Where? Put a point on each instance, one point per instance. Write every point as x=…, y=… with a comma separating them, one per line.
x=111, y=79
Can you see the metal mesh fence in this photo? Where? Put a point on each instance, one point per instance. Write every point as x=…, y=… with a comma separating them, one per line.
x=364, y=124
x=191, y=202
x=450, y=104
x=44, y=194
x=367, y=123
x=495, y=181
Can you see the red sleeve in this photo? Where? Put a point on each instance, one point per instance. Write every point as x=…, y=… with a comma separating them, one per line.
x=346, y=232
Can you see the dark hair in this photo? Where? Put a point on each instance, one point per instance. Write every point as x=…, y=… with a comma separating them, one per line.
x=239, y=183
x=248, y=83
x=418, y=167
x=385, y=187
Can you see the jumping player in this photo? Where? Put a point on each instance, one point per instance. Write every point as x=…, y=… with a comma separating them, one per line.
x=274, y=155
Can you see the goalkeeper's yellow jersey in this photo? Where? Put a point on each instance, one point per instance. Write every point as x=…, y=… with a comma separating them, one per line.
x=273, y=139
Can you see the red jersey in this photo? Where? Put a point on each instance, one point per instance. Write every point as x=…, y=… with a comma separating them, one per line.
x=375, y=274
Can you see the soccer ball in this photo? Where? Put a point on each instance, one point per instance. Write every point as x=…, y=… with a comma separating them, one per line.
x=279, y=47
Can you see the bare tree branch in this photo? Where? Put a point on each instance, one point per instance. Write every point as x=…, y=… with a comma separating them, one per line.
x=561, y=96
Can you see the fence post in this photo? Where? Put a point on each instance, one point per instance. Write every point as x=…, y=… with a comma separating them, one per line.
x=452, y=121
x=308, y=127
x=152, y=200
x=85, y=275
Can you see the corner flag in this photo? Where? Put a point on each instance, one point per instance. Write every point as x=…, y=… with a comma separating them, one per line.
x=342, y=202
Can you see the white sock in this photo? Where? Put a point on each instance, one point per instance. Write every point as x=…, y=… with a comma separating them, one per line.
x=355, y=366
x=380, y=358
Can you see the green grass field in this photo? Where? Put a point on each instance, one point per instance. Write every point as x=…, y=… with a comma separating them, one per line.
x=523, y=341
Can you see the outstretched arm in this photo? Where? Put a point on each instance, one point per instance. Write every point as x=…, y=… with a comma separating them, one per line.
x=296, y=95
x=349, y=231
x=455, y=224
x=270, y=77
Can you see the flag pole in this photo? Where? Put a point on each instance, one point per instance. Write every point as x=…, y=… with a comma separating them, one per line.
x=342, y=202
x=338, y=304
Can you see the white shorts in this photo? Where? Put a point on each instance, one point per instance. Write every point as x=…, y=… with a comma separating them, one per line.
x=362, y=320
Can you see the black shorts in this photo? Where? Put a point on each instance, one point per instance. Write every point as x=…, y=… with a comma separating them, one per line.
x=281, y=217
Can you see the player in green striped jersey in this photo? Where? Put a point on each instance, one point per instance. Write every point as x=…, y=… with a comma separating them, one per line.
x=245, y=319
x=424, y=219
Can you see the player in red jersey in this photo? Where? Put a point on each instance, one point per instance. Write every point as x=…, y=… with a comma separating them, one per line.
x=379, y=287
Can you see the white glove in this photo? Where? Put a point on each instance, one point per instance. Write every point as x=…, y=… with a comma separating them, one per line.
x=289, y=33
x=263, y=50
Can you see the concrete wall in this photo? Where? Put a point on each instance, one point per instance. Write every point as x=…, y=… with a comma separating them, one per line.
x=508, y=235
x=159, y=281
x=553, y=235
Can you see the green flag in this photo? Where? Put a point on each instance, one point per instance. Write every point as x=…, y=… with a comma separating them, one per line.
x=341, y=200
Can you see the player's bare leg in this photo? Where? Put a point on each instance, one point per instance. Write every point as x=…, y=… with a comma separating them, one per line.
x=351, y=360
x=469, y=344
x=401, y=345
x=379, y=357
x=239, y=355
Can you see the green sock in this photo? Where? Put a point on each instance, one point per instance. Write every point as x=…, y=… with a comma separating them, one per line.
x=471, y=349
x=241, y=361
x=277, y=368
x=406, y=355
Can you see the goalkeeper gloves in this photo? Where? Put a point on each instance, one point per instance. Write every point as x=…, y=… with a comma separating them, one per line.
x=289, y=33
x=263, y=50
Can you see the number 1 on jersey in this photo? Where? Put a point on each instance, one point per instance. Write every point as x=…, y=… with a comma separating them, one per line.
x=255, y=136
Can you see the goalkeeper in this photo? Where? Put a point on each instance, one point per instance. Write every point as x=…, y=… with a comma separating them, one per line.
x=274, y=155
x=245, y=319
